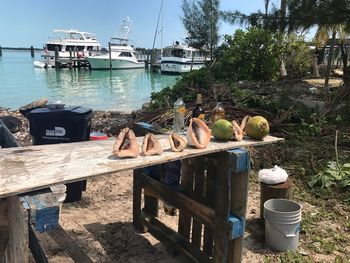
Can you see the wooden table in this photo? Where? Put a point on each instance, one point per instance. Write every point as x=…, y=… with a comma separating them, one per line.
x=26, y=169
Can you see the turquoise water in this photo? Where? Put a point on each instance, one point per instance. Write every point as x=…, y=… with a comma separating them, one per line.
x=122, y=90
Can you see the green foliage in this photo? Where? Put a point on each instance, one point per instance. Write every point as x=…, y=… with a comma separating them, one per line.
x=250, y=99
x=298, y=56
x=187, y=86
x=201, y=20
x=248, y=55
x=293, y=257
x=313, y=127
x=333, y=175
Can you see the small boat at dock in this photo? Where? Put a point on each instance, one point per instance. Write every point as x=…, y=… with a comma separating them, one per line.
x=72, y=46
x=181, y=58
x=120, y=55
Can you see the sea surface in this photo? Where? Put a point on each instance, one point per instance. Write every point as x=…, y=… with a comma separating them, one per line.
x=122, y=90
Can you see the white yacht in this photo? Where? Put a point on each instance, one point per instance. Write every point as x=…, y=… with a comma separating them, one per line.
x=70, y=44
x=121, y=54
x=181, y=58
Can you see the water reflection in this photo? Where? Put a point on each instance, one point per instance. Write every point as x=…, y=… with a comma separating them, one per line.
x=123, y=90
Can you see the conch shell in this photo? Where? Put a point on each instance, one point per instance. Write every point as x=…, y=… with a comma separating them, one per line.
x=126, y=145
x=177, y=142
x=238, y=130
x=198, y=134
x=151, y=145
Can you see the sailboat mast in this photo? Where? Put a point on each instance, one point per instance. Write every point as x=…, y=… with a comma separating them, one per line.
x=155, y=34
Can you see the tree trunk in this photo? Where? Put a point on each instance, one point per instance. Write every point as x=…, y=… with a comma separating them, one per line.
x=283, y=71
x=329, y=62
x=315, y=72
x=283, y=10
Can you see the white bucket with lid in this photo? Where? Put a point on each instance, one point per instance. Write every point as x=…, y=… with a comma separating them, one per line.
x=282, y=224
x=59, y=190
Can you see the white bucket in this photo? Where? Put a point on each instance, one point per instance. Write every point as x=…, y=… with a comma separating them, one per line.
x=282, y=224
x=59, y=190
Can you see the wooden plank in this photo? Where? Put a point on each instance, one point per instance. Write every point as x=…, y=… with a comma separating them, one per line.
x=209, y=197
x=35, y=247
x=35, y=167
x=186, y=183
x=199, y=181
x=174, y=240
x=239, y=168
x=17, y=249
x=136, y=204
x=222, y=207
x=69, y=246
x=179, y=200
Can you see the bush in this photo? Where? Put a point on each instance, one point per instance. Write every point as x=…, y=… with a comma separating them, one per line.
x=188, y=86
x=251, y=55
x=298, y=56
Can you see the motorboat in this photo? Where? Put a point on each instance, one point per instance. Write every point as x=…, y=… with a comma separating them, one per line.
x=181, y=58
x=120, y=54
x=40, y=64
x=70, y=45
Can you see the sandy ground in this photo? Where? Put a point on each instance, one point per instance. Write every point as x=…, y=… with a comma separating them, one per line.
x=101, y=225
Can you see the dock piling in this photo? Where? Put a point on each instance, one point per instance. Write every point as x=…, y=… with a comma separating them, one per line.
x=56, y=57
x=110, y=55
x=32, y=54
x=0, y=51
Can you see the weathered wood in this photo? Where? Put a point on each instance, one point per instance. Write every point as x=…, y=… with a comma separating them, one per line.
x=68, y=245
x=186, y=183
x=239, y=169
x=267, y=192
x=17, y=248
x=210, y=198
x=35, y=247
x=35, y=167
x=199, y=168
x=136, y=204
x=177, y=199
x=4, y=231
x=172, y=239
x=222, y=207
x=44, y=210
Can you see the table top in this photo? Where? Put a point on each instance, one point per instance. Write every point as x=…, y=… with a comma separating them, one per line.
x=24, y=169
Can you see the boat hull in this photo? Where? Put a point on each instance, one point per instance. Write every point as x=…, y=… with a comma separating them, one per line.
x=180, y=67
x=104, y=63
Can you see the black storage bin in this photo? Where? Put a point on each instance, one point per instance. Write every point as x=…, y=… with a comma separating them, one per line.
x=64, y=125
x=69, y=124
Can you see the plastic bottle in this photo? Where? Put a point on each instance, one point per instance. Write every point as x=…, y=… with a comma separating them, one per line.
x=198, y=111
x=218, y=112
x=179, y=115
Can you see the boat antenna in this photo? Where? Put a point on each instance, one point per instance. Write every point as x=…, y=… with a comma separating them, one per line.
x=155, y=34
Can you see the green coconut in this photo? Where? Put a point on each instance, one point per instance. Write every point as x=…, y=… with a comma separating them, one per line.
x=222, y=130
x=257, y=127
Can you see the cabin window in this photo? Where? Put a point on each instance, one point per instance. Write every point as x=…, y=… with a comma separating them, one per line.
x=177, y=53
x=78, y=48
x=51, y=47
x=125, y=54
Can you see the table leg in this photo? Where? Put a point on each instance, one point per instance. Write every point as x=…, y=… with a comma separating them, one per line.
x=239, y=198
x=137, y=192
x=18, y=245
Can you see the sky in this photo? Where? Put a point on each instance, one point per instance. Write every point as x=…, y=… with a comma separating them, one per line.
x=25, y=23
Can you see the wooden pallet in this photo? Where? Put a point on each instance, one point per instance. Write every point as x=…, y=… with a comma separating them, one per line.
x=212, y=201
